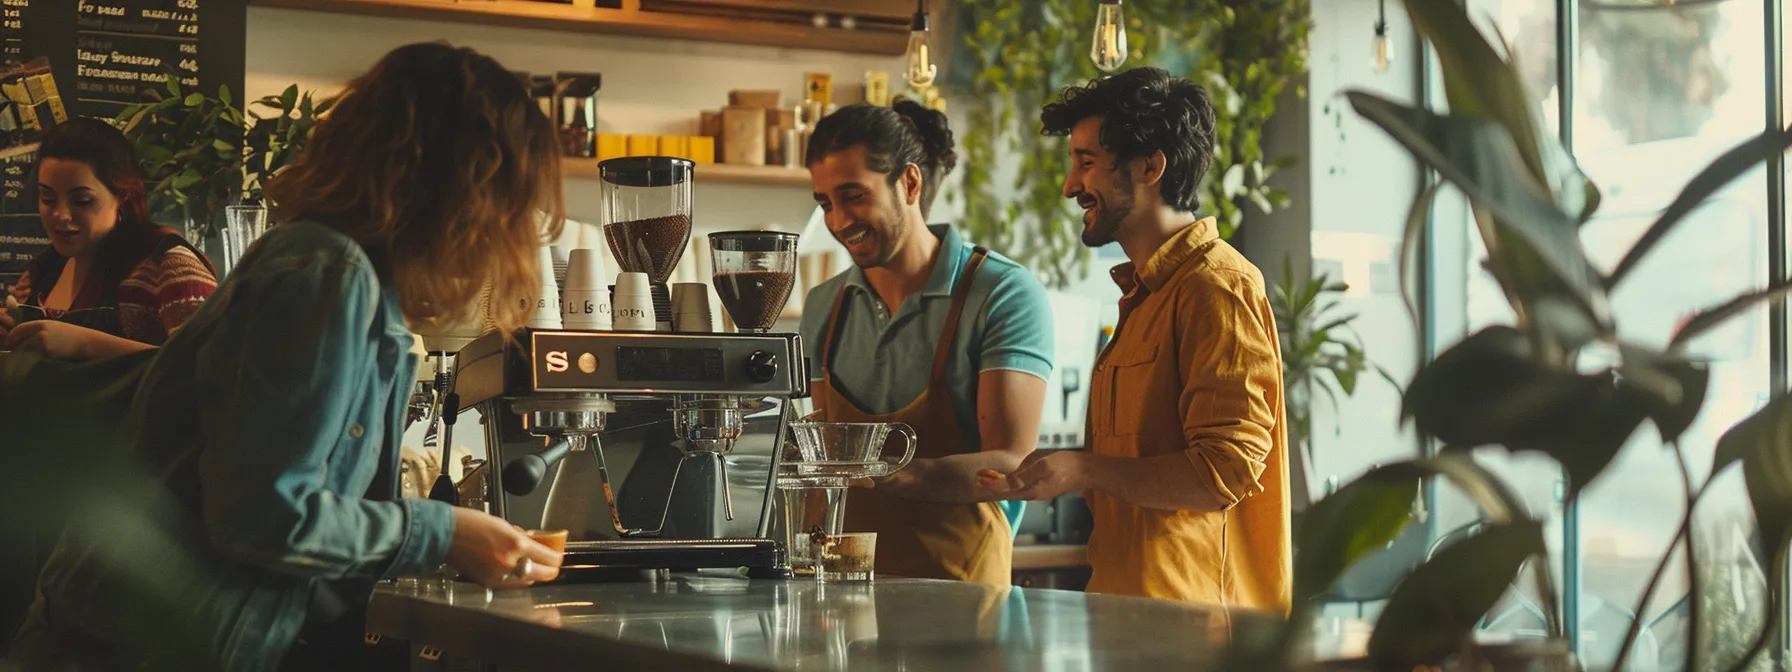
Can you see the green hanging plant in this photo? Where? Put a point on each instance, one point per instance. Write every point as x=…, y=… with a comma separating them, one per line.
x=1019, y=55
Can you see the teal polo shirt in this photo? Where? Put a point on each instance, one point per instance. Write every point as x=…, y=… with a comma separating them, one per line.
x=883, y=360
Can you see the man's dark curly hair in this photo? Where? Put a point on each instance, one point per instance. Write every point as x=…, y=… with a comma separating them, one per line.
x=1146, y=110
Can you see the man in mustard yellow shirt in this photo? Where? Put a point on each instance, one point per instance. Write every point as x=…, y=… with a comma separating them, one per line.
x=1186, y=468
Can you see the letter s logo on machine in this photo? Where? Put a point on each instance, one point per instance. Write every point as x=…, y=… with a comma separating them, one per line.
x=557, y=361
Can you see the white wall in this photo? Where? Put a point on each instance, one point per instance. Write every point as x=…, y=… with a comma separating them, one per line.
x=1362, y=187
x=651, y=86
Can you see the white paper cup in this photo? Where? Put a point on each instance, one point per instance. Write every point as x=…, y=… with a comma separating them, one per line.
x=585, y=271
x=631, y=304
x=547, y=306
x=588, y=309
x=690, y=308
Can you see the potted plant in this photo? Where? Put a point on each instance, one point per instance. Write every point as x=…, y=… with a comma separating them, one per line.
x=201, y=153
x=1321, y=353
x=190, y=148
x=1562, y=380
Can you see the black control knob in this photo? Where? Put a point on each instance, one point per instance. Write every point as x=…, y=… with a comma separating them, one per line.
x=762, y=366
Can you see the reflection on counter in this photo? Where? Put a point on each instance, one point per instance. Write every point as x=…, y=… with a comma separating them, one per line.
x=701, y=620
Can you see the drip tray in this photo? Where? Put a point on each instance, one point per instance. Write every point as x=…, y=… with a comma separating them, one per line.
x=625, y=559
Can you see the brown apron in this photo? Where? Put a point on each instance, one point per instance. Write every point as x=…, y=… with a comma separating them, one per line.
x=965, y=542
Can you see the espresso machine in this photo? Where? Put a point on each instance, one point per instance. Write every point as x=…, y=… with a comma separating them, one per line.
x=657, y=450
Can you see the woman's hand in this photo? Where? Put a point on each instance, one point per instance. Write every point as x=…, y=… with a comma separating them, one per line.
x=56, y=340
x=7, y=321
x=489, y=551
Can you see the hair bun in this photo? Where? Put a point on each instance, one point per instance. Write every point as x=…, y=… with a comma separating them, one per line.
x=935, y=135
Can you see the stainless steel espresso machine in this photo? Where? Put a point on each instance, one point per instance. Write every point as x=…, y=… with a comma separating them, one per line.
x=657, y=450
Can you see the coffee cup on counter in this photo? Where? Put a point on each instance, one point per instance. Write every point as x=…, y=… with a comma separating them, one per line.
x=631, y=303
x=587, y=298
x=690, y=308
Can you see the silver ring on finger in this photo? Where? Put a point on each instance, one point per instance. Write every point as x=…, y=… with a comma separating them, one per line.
x=522, y=569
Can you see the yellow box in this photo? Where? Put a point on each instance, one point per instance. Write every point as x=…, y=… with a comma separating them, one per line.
x=643, y=145
x=675, y=145
x=703, y=149
x=611, y=146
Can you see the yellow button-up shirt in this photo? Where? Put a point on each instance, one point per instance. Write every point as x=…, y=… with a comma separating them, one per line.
x=1195, y=367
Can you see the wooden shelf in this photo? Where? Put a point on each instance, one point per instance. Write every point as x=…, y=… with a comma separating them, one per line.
x=710, y=173
x=629, y=22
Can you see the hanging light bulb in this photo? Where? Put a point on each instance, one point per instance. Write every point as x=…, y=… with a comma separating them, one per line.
x=1381, y=53
x=1109, y=49
x=920, y=69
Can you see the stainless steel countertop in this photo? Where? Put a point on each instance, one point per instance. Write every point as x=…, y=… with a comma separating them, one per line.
x=719, y=622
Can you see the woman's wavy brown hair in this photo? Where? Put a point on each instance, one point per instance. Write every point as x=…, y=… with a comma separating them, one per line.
x=439, y=160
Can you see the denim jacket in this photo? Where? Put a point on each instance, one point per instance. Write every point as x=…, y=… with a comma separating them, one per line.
x=259, y=429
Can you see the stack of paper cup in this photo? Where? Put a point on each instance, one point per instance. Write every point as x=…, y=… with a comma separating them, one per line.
x=690, y=308
x=547, y=306
x=561, y=259
x=631, y=303
x=586, y=294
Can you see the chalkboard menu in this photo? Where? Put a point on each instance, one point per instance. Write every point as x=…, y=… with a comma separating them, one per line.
x=63, y=58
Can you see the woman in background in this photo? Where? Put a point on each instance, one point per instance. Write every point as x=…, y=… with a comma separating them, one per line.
x=111, y=282
x=268, y=429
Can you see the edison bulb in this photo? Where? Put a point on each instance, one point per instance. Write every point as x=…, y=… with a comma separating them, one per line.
x=920, y=70
x=1109, y=49
x=1382, y=52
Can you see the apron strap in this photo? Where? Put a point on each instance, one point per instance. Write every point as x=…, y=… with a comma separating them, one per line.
x=961, y=294
x=830, y=336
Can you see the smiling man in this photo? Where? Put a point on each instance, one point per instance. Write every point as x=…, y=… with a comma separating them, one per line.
x=927, y=330
x=1186, y=471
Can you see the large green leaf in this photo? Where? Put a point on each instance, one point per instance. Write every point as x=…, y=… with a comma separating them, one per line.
x=1480, y=158
x=1411, y=249
x=1722, y=171
x=1361, y=518
x=1674, y=401
x=1573, y=189
x=1709, y=319
x=1435, y=610
x=1763, y=444
x=1487, y=389
x=1586, y=433
x=1476, y=82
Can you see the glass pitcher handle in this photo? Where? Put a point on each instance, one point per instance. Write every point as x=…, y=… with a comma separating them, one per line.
x=908, y=437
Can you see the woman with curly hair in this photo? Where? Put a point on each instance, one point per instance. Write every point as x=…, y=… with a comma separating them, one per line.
x=268, y=428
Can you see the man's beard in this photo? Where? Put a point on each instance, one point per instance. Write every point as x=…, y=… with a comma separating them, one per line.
x=889, y=238
x=1110, y=214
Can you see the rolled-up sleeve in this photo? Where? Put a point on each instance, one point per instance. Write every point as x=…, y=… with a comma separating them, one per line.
x=1232, y=375
x=280, y=389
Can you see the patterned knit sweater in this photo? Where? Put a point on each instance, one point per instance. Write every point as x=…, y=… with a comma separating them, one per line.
x=153, y=301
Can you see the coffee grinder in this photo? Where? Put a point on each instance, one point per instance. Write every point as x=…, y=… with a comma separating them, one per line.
x=647, y=219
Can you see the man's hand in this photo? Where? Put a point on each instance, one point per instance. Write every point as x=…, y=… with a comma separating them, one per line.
x=902, y=479
x=1043, y=475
